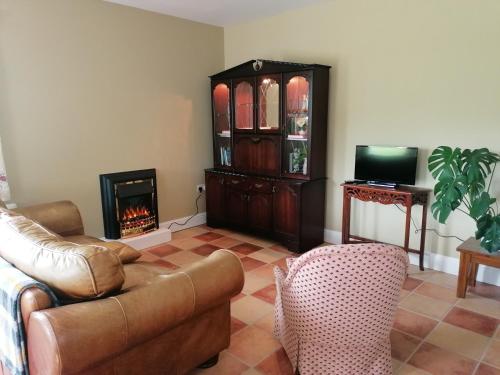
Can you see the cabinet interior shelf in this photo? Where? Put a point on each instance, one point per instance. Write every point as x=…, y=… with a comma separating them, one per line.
x=296, y=138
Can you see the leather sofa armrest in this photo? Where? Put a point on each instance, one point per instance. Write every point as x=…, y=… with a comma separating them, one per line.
x=110, y=326
x=61, y=217
x=33, y=299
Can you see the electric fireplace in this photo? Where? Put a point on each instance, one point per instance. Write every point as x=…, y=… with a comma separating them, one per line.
x=129, y=203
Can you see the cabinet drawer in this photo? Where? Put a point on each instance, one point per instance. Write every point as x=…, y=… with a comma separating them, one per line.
x=261, y=186
x=236, y=182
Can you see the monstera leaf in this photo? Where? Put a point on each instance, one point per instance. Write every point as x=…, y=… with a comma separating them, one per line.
x=490, y=238
x=449, y=192
x=481, y=205
x=461, y=177
x=445, y=162
x=477, y=165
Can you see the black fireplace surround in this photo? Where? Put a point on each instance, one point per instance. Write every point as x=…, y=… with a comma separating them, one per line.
x=129, y=203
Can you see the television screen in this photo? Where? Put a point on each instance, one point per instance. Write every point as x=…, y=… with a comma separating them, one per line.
x=386, y=164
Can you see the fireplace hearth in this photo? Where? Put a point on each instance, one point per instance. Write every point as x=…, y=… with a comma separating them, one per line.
x=129, y=203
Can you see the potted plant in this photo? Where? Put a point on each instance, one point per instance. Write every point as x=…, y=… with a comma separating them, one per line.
x=463, y=183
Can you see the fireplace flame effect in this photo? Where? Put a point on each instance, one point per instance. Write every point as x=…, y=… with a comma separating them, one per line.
x=134, y=213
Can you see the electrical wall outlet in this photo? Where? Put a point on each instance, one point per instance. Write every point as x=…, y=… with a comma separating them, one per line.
x=200, y=188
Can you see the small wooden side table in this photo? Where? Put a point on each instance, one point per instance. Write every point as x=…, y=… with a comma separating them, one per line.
x=471, y=256
x=407, y=196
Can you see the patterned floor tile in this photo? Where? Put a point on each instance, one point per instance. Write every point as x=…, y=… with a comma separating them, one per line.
x=486, y=291
x=264, y=272
x=481, y=305
x=236, y=325
x=225, y=242
x=252, y=345
x=254, y=283
x=205, y=249
x=237, y=297
x=147, y=257
x=458, y=340
x=250, y=263
x=183, y=258
x=276, y=364
x=252, y=371
x=267, y=294
x=163, y=250
x=208, y=236
x=267, y=255
x=186, y=243
x=403, y=345
x=492, y=356
x=484, y=369
x=439, y=361
x=250, y=309
x=407, y=369
x=425, y=305
x=413, y=324
x=188, y=233
x=469, y=330
x=437, y=292
x=245, y=248
x=266, y=323
x=444, y=279
x=228, y=365
x=411, y=283
x=472, y=321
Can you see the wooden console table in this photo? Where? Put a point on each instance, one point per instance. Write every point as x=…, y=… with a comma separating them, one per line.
x=471, y=256
x=405, y=195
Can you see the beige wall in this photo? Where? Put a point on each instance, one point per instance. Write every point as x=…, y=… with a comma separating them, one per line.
x=88, y=87
x=411, y=72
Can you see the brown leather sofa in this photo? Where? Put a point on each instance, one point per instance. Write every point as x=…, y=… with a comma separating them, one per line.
x=161, y=321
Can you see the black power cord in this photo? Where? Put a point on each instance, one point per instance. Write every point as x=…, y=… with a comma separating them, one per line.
x=417, y=229
x=189, y=218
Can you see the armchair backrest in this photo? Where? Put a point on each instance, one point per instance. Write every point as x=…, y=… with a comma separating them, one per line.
x=346, y=295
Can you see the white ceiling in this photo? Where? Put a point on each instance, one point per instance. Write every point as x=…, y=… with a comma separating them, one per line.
x=217, y=12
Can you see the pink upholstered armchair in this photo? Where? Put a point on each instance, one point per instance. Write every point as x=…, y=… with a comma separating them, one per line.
x=335, y=308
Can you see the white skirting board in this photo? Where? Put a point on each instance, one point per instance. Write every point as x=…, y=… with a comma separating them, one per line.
x=163, y=234
x=434, y=261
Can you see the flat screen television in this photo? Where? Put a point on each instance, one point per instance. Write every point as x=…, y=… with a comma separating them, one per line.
x=383, y=164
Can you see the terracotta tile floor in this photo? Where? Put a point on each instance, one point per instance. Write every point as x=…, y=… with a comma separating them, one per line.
x=434, y=332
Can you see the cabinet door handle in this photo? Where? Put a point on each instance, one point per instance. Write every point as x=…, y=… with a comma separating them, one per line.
x=221, y=181
x=235, y=182
x=258, y=186
x=275, y=189
x=255, y=139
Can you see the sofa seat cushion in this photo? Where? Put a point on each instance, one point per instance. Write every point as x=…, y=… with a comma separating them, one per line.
x=126, y=253
x=75, y=272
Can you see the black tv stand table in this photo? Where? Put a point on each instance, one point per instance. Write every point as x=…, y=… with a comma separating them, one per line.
x=407, y=196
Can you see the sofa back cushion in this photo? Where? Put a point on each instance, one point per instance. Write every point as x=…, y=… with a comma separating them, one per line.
x=75, y=272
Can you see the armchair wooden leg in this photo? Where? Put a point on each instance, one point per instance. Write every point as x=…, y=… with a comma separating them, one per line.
x=210, y=362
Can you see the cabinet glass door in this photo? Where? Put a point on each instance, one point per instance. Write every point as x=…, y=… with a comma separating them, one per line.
x=244, y=105
x=222, y=124
x=297, y=132
x=268, y=101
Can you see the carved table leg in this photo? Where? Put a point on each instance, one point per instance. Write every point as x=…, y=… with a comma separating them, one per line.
x=422, y=236
x=346, y=218
x=407, y=227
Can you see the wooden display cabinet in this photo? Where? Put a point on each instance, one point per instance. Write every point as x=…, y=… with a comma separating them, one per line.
x=270, y=128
